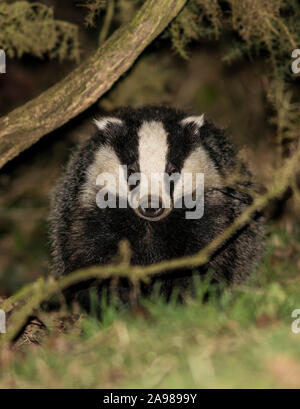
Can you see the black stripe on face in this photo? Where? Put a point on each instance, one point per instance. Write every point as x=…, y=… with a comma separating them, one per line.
x=181, y=141
x=125, y=144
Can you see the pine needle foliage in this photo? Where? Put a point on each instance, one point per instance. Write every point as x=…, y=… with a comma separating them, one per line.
x=94, y=10
x=271, y=26
x=124, y=10
x=200, y=18
x=30, y=28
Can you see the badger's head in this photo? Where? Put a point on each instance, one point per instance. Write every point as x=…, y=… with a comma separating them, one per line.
x=150, y=160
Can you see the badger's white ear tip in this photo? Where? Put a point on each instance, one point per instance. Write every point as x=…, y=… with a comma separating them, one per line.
x=96, y=122
x=197, y=120
x=102, y=122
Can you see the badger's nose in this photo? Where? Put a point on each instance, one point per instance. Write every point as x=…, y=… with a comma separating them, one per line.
x=151, y=207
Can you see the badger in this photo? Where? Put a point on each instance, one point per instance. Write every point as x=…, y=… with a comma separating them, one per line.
x=90, y=215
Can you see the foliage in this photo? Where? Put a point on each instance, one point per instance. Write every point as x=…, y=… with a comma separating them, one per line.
x=30, y=28
x=200, y=18
x=94, y=10
x=261, y=25
x=124, y=10
x=241, y=339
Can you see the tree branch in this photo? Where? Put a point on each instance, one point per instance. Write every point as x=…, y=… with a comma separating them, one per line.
x=26, y=125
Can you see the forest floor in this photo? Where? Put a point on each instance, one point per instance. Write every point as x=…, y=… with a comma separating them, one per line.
x=241, y=339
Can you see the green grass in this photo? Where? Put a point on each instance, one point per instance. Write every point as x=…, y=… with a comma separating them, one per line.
x=241, y=339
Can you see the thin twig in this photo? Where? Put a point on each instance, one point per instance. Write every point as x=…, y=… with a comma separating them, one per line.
x=110, y=8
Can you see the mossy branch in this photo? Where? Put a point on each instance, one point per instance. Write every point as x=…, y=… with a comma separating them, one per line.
x=26, y=125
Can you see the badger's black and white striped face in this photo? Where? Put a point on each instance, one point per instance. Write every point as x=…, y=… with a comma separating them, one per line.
x=150, y=141
x=150, y=163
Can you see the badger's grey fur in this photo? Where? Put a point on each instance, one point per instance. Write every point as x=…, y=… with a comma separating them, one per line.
x=153, y=139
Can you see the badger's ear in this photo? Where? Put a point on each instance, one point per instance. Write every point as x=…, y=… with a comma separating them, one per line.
x=103, y=122
x=198, y=121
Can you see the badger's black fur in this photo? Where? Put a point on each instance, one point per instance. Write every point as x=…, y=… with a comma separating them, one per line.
x=82, y=234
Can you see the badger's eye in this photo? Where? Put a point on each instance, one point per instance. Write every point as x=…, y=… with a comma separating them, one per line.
x=131, y=169
x=172, y=169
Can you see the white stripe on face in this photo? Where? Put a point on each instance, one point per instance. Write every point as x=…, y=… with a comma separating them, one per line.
x=105, y=162
x=153, y=149
x=197, y=162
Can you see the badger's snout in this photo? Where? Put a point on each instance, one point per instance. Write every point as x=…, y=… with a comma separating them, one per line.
x=152, y=208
